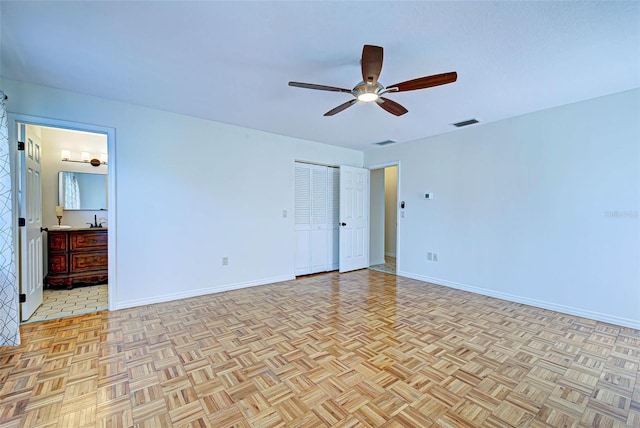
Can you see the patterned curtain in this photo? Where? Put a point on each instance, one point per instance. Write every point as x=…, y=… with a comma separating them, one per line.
x=9, y=318
x=71, y=191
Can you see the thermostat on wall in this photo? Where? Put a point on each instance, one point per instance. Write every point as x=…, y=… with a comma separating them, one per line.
x=428, y=195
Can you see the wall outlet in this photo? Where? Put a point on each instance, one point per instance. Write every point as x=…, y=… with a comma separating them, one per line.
x=429, y=256
x=284, y=213
x=225, y=261
x=435, y=257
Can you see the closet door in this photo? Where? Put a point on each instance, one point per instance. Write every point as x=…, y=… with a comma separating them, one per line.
x=354, y=218
x=333, y=218
x=317, y=212
x=319, y=227
x=302, y=219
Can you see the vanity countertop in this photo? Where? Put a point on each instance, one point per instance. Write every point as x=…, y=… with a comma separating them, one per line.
x=67, y=229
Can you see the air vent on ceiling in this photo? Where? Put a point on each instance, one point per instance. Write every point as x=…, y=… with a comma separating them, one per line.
x=385, y=142
x=465, y=123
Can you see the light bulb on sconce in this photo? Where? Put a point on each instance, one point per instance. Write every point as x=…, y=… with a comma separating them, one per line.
x=65, y=155
x=59, y=211
x=85, y=156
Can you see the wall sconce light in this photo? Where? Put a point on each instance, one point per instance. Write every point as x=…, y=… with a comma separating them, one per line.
x=85, y=157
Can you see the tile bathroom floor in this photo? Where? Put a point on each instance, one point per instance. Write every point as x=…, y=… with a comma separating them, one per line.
x=388, y=267
x=60, y=303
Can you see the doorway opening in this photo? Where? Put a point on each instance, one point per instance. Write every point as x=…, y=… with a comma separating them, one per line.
x=384, y=218
x=70, y=283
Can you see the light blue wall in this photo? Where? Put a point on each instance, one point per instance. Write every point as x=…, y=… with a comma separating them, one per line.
x=541, y=208
x=189, y=192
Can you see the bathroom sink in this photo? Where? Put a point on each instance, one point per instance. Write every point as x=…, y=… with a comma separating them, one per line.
x=60, y=227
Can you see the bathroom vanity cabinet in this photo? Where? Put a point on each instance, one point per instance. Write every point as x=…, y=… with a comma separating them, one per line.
x=77, y=256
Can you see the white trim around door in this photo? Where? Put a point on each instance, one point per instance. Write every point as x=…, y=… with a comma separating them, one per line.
x=14, y=120
x=400, y=211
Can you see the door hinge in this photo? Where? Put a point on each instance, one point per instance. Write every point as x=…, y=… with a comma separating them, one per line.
x=23, y=298
x=20, y=145
x=22, y=222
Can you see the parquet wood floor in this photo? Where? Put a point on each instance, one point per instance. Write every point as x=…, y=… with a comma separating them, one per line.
x=364, y=349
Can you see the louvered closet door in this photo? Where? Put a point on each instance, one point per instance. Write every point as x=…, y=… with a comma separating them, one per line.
x=319, y=218
x=317, y=212
x=303, y=220
x=333, y=218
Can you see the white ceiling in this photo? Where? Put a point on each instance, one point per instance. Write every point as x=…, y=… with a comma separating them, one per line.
x=231, y=61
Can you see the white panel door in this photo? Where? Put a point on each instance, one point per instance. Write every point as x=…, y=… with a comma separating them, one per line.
x=354, y=218
x=30, y=195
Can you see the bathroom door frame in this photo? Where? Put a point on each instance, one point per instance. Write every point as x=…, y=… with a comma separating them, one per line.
x=14, y=121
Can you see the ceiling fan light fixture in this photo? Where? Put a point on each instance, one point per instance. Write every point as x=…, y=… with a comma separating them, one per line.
x=370, y=90
x=367, y=97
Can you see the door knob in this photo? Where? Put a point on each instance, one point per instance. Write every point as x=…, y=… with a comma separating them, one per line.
x=343, y=224
x=44, y=229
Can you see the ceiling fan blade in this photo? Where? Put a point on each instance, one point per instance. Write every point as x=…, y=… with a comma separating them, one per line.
x=426, y=82
x=371, y=63
x=341, y=107
x=318, y=87
x=391, y=106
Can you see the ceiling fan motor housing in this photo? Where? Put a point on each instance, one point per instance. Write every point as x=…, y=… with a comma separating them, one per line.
x=367, y=88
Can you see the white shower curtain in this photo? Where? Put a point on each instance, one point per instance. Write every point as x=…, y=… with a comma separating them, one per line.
x=71, y=191
x=9, y=318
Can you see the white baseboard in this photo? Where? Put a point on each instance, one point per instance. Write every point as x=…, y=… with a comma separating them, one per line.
x=199, y=292
x=611, y=319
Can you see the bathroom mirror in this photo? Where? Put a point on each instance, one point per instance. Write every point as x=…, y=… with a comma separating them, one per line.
x=82, y=191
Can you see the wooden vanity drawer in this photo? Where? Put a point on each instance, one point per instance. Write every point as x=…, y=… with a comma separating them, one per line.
x=58, y=241
x=78, y=256
x=88, y=241
x=58, y=263
x=88, y=261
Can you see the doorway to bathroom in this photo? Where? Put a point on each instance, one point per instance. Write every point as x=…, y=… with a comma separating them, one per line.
x=76, y=194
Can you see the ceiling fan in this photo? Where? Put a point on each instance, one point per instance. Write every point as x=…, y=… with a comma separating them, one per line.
x=371, y=90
